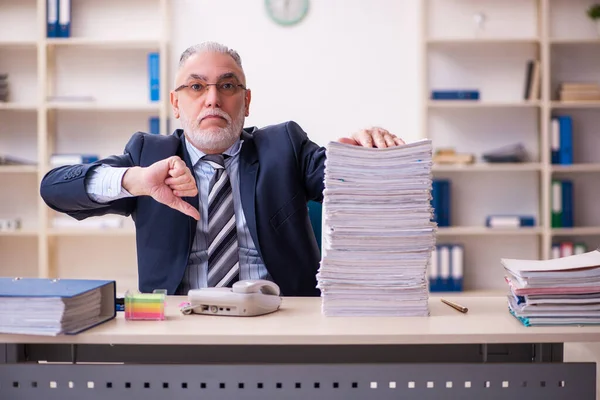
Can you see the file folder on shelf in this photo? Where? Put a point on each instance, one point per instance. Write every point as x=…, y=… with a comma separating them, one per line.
x=446, y=268
x=64, y=18
x=51, y=307
x=52, y=18
x=154, y=76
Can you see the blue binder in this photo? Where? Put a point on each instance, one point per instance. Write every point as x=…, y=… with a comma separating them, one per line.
x=154, y=125
x=567, y=204
x=154, y=76
x=52, y=18
x=447, y=266
x=441, y=202
x=455, y=95
x=565, y=139
x=40, y=288
x=64, y=18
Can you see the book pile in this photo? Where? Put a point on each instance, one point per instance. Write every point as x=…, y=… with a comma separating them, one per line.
x=563, y=291
x=579, y=92
x=3, y=87
x=378, y=233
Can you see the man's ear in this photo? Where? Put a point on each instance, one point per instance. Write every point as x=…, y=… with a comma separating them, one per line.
x=247, y=99
x=174, y=103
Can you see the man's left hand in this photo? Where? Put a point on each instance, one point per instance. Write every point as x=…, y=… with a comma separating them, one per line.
x=373, y=137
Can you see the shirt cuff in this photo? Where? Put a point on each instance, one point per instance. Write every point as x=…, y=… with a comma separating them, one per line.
x=104, y=184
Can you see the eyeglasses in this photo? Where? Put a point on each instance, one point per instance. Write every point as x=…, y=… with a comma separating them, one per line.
x=198, y=89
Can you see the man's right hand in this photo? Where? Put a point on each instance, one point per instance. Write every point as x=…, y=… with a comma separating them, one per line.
x=166, y=181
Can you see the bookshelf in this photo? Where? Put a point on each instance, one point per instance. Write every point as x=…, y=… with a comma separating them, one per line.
x=485, y=45
x=51, y=110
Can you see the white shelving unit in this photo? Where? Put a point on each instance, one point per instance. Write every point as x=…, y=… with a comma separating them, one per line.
x=105, y=58
x=491, y=57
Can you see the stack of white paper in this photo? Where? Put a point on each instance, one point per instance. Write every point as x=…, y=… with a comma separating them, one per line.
x=377, y=232
x=555, y=292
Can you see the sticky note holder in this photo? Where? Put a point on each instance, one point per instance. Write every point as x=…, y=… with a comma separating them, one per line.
x=145, y=306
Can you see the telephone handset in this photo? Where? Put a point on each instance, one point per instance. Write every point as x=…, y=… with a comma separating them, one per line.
x=244, y=299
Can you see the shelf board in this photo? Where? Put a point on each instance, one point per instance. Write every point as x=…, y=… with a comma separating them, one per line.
x=576, y=168
x=575, y=104
x=106, y=43
x=481, y=104
x=93, y=106
x=482, y=230
x=19, y=233
x=504, y=41
x=575, y=41
x=487, y=167
x=18, y=43
x=90, y=232
x=17, y=106
x=582, y=231
x=18, y=169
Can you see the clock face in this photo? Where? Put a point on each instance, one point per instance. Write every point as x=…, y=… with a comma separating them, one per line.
x=287, y=12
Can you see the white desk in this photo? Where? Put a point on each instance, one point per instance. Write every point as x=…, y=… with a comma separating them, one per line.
x=298, y=346
x=300, y=322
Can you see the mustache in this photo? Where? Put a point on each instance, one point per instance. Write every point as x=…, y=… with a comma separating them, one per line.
x=213, y=112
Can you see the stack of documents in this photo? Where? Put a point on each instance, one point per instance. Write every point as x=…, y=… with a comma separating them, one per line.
x=562, y=291
x=378, y=233
x=54, y=306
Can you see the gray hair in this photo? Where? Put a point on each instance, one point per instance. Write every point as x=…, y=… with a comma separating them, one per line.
x=209, y=47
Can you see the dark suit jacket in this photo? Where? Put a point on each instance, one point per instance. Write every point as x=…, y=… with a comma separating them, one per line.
x=280, y=170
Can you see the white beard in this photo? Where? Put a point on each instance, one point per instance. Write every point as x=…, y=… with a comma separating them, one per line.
x=213, y=139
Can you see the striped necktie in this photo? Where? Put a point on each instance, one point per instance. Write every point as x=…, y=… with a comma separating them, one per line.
x=223, y=257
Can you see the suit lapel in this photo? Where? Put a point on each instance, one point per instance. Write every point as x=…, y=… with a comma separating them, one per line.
x=193, y=201
x=248, y=175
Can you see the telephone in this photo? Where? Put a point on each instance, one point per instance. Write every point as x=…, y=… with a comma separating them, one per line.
x=245, y=298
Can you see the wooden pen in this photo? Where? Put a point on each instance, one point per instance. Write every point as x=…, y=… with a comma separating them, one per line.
x=456, y=306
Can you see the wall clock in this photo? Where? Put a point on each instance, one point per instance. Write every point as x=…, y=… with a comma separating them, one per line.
x=287, y=12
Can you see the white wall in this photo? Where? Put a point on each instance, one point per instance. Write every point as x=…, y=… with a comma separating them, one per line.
x=348, y=65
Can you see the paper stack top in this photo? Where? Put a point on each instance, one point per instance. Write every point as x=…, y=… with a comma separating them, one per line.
x=378, y=233
x=562, y=291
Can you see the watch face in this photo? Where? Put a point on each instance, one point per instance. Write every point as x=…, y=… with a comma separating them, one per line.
x=287, y=12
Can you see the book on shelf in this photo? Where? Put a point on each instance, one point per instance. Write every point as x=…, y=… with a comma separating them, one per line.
x=450, y=156
x=460, y=94
x=509, y=221
x=154, y=76
x=58, y=18
x=561, y=140
x=561, y=203
x=10, y=224
x=51, y=18
x=441, y=201
x=12, y=160
x=50, y=307
x=514, y=153
x=579, y=91
x=64, y=18
x=446, y=268
x=154, y=125
x=4, y=89
x=567, y=248
x=560, y=291
x=532, y=81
